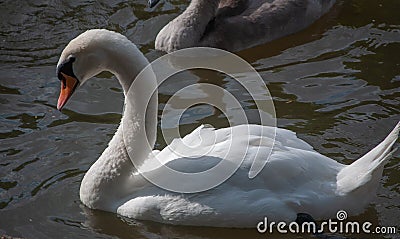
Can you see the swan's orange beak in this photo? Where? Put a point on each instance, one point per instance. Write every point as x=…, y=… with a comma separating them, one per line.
x=68, y=86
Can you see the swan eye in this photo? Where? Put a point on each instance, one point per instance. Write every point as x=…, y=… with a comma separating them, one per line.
x=71, y=59
x=66, y=68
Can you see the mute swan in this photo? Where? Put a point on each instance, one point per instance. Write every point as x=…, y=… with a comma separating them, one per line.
x=238, y=24
x=297, y=179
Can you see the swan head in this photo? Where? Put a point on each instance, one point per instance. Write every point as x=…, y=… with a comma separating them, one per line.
x=85, y=57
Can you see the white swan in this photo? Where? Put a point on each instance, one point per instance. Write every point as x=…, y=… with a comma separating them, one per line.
x=297, y=179
x=238, y=24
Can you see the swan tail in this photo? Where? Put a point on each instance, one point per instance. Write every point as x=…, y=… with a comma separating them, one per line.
x=369, y=167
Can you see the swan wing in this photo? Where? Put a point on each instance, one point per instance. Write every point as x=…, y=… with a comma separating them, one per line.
x=295, y=179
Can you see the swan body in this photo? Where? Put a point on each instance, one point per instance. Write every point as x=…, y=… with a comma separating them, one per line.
x=296, y=179
x=238, y=24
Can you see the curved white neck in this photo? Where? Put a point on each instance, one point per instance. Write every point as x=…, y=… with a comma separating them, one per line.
x=110, y=178
x=141, y=102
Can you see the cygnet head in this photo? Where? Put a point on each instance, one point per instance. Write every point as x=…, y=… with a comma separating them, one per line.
x=152, y=3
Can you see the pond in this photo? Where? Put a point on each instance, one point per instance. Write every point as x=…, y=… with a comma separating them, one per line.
x=336, y=84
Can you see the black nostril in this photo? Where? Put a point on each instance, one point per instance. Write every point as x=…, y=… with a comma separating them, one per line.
x=64, y=83
x=62, y=79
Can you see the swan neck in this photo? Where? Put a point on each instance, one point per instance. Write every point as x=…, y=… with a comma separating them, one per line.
x=139, y=121
x=126, y=64
x=109, y=180
x=207, y=7
x=189, y=28
x=200, y=12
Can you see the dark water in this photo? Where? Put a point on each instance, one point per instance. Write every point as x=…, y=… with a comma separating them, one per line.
x=337, y=84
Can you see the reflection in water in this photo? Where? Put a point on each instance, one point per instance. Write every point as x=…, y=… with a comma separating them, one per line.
x=336, y=84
